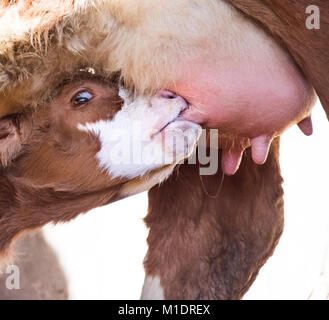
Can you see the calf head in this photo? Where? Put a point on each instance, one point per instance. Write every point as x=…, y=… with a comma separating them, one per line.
x=88, y=144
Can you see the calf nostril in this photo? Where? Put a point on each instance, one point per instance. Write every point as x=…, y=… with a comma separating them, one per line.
x=168, y=95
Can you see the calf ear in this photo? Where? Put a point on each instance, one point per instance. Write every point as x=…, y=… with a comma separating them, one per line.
x=10, y=140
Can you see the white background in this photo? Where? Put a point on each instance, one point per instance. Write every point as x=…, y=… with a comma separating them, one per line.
x=102, y=252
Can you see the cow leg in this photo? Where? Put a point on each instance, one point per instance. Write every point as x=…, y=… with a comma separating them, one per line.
x=205, y=247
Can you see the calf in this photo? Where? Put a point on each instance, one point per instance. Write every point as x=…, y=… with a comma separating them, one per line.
x=66, y=156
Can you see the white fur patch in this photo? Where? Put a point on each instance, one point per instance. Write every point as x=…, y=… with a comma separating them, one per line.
x=120, y=140
x=152, y=289
x=131, y=145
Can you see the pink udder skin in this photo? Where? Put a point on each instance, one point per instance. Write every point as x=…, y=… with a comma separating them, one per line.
x=257, y=100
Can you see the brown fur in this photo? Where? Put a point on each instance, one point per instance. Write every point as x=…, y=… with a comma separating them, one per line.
x=212, y=248
x=12, y=144
x=55, y=175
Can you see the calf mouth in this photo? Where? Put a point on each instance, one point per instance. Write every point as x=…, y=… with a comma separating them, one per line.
x=178, y=117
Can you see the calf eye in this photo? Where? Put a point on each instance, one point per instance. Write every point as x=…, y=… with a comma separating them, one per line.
x=81, y=98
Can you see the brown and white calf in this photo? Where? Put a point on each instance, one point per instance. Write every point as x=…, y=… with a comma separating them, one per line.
x=87, y=145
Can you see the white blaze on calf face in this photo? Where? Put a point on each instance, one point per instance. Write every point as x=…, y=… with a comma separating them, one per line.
x=146, y=134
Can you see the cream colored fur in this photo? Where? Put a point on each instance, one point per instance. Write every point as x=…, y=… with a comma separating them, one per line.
x=146, y=41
